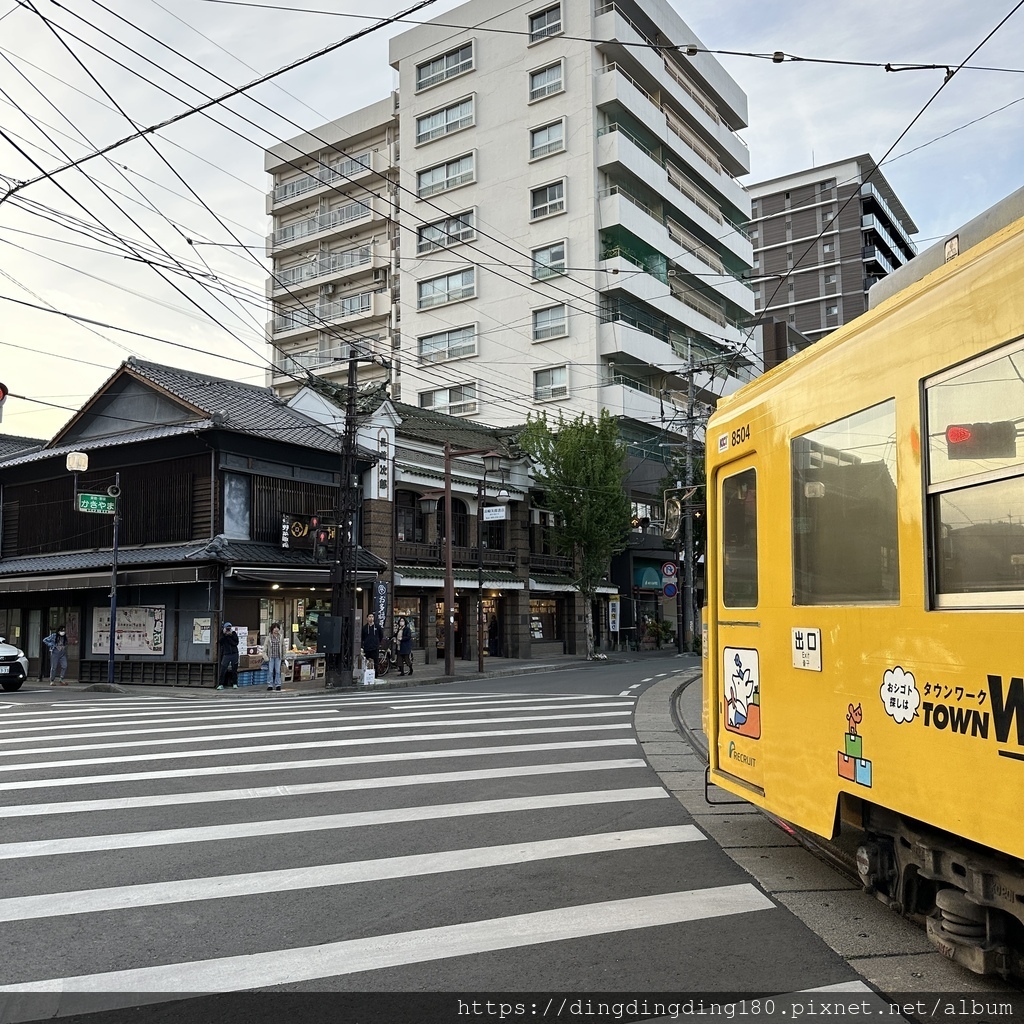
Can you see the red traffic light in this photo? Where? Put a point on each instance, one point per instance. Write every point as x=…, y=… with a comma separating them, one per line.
x=322, y=536
x=3, y=392
x=982, y=440
x=314, y=523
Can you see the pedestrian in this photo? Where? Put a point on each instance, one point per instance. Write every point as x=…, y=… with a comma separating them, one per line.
x=404, y=646
x=57, y=642
x=273, y=650
x=371, y=640
x=228, y=658
x=492, y=636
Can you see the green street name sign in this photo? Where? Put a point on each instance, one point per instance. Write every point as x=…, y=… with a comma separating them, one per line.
x=97, y=503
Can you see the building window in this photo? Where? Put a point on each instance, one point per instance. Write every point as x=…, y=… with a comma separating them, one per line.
x=549, y=138
x=447, y=231
x=845, y=520
x=975, y=474
x=445, y=121
x=546, y=23
x=550, y=322
x=237, y=506
x=446, y=176
x=547, y=200
x=448, y=65
x=457, y=401
x=409, y=520
x=832, y=310
x=830, y=279
x=828, y=247
x=550, y=383
x=546, y=81
x=454, y=344
x=447, y=288
x=549, y=261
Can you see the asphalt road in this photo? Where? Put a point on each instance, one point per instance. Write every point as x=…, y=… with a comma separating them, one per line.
x=469, y=839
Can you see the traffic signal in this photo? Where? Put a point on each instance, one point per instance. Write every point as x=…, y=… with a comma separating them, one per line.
x=982, y=440
x=314, y=525
x=321, y=550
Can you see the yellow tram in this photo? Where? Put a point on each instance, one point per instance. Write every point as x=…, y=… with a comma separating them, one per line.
x=864, y=629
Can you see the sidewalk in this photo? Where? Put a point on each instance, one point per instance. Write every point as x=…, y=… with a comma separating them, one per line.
x=494, y=668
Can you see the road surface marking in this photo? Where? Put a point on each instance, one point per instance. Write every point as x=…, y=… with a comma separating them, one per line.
x=318, y=763
x=320, y=823
x=127, y=803
x=145, y=729
x=352, y=956
x=298, y=732
x=250, y=883
x=188, y=755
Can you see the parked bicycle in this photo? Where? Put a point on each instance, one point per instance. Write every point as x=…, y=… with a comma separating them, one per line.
x=387, y=656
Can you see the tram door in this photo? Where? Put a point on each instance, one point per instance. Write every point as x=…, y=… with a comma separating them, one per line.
x=739, y=629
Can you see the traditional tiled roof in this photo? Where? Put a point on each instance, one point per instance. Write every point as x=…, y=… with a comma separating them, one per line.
x=11, y=444
x=245, y=408
x=228, y=552
x=437, y=427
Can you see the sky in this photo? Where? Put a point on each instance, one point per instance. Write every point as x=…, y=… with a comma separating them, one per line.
x=163, y=236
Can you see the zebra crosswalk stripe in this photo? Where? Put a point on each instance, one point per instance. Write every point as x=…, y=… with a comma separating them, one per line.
x=151, y=894
x=352, y=956
x=352, y=819
x=313, y=788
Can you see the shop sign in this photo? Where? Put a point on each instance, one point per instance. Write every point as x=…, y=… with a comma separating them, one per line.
x=380, y=603
x=383, y=464
x=613, y=614
x=493, y=512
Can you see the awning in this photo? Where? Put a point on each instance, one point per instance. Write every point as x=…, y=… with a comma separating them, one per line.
x=562, y=585
x=465, y=579
x=294, y=575
x=125, y=578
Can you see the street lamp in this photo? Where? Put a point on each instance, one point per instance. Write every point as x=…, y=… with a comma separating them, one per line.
x=492, y=460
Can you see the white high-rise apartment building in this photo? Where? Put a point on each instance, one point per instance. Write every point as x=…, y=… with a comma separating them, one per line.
x=567, y=229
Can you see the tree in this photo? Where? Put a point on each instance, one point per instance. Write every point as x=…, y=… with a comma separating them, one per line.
x=581, y=466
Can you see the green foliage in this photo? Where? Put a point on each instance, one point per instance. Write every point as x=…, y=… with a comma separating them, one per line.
x=581, y=466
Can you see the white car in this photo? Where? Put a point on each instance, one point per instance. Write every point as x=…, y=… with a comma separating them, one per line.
x=13, y=666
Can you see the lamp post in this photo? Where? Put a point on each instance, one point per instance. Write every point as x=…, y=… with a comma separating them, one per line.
x=492, y=460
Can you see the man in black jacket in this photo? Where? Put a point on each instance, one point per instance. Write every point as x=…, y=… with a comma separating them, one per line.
x=228, y=658
x=371, y=640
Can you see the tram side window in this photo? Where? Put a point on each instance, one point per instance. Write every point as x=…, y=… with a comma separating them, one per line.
x=739, y=540
x=845, y=548
x=976, y=481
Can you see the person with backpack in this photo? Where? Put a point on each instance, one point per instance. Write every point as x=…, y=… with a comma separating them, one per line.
x=57, y=643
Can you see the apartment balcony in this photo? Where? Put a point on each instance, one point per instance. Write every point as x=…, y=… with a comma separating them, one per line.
x=326, y=268
x=674, y=299
x=633, y=400
x=433, y=553
x=615, y=89
x=337, y=174
x=343, y=312
x=323, y=224
x=625, y=45
x=872, y=254
x=331, y=358
x=618, y=208
x=619, y=150
x=868, y=191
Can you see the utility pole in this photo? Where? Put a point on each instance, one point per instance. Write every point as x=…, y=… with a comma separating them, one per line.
x=688, y=520
x=344, y=574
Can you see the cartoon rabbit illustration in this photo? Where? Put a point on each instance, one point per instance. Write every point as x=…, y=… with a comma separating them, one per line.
x=738, y=693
